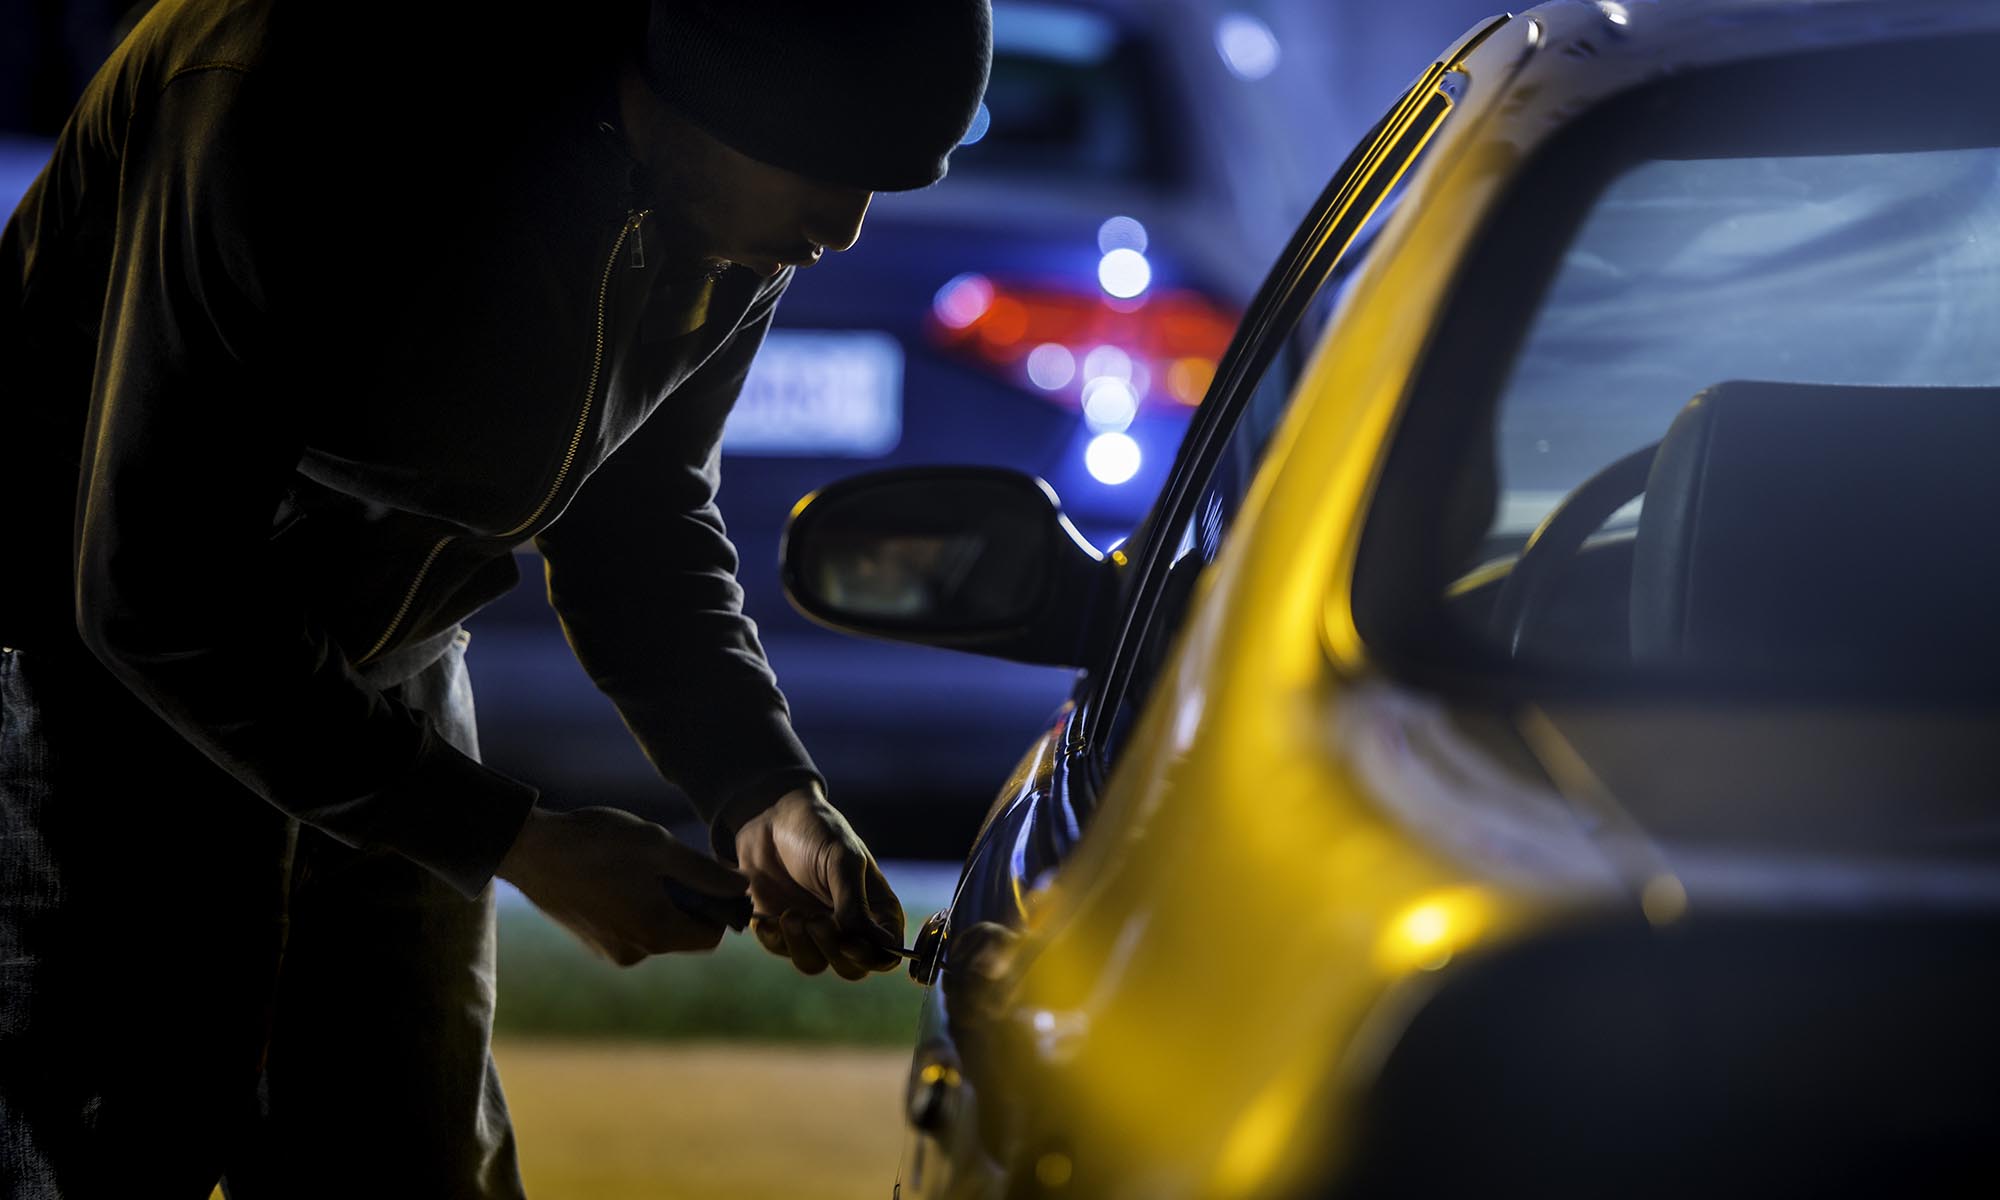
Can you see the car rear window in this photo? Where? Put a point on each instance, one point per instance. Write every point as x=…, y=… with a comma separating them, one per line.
x=1073, y=95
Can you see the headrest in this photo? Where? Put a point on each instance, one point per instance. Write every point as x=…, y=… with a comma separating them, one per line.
x=1809, y=530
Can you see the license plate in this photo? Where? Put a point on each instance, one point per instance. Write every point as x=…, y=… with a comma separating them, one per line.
x=813, y=392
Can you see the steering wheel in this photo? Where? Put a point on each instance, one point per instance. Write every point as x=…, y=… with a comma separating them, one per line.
x=1532, y=583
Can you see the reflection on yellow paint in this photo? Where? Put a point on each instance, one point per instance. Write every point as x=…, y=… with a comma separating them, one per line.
x=1424, y=936
x=1053, y=1170
x=1258, y=1141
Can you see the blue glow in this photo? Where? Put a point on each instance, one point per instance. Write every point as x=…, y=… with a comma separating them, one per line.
x=21, y=159
x=1247, y=45
x=1113, y=458
x=981, y=122
x=1121, y=233
x=1124, y=273
x=1046, y=31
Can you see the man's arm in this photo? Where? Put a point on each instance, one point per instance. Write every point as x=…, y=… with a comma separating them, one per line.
x=642, y=572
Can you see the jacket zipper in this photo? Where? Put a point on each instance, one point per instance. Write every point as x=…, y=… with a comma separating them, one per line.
x=632, y=222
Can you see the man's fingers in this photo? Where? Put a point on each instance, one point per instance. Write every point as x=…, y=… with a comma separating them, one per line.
x=771, y=937
x=799, y=945
x=863, y=904
x=826, y=938
x=867, y=958
x=883, y=907
x=847, y=883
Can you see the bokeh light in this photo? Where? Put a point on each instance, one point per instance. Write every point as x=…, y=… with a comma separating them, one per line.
x=1050, y=366
x=1005, y=322
x=1124, y=273
x=1109, y=405
x=1113, y=458
x=963, y=300
x=1121, y=233
x=1247, y=45
x=1188, y=379
x=1107, y=362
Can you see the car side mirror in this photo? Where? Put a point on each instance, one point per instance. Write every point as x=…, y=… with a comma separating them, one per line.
x=971, y=558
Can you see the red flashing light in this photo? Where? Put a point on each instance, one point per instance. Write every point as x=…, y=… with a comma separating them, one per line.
x=1175, y=338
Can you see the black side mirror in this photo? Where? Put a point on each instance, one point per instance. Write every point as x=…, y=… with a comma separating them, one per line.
x=972, y=558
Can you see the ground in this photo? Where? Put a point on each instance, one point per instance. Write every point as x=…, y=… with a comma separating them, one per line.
x=625, y=1121
x=691, y=1121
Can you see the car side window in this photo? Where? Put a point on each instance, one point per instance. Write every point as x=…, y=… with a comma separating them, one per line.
x=1200, y=509
x=1206, y=528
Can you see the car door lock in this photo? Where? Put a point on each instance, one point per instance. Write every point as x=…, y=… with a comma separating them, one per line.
x=927, y=952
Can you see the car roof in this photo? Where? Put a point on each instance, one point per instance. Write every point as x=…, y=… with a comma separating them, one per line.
x=1590, y=48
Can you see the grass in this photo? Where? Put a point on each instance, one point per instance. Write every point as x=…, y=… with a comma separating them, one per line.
x=550, y=986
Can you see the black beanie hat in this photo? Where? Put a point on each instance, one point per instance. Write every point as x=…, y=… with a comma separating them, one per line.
x=872, y=94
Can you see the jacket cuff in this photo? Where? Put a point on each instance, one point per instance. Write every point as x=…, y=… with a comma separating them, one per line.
x=751, y=799
x=455, y=818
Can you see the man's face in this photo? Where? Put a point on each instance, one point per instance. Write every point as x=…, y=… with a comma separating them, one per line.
x=720, y=206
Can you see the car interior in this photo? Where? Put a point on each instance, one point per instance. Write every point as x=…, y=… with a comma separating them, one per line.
x=1785, y=528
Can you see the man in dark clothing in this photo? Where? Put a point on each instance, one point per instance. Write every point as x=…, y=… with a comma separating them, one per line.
x=317, y=313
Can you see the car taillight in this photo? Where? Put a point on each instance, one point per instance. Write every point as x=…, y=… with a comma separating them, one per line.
x=1086, y=350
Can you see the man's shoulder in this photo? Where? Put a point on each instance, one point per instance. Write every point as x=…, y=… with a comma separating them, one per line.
x=183, y=38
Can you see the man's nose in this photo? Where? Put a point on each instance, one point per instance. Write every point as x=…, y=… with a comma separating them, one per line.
x=837, y=224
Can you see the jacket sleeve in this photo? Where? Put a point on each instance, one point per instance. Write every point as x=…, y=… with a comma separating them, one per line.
x=190, y=443
x=643, y=575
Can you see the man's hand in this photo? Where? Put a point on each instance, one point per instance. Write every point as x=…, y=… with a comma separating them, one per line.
x=807, y=868
x=598, y=872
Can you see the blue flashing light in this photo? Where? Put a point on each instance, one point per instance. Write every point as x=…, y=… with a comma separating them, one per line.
x=1124, y=273
x=1248, y=47
x=1113, y=458
x=1121, y=233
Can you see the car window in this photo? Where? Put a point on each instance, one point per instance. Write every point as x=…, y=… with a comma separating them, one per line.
x=1721, y=401
x=1071, y=95
x=1221, y=455
x=1206, y=527
x=1865, y=268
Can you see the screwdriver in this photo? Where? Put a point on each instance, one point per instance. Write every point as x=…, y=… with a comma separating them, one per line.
x=734, y=911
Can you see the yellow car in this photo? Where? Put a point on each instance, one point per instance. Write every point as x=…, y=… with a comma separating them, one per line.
x=1543, y=740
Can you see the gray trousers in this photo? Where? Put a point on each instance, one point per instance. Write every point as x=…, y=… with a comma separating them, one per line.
x=194, y=988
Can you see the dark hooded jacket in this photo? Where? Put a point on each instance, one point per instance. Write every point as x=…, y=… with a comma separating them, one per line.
x=312, y=321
